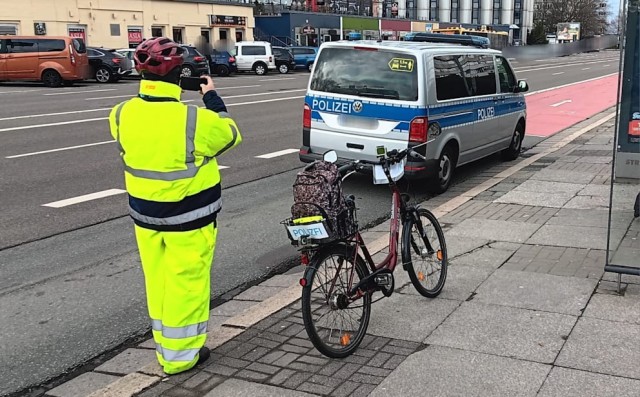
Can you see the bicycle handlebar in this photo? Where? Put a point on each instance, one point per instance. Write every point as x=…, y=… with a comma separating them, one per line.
x=392, y=157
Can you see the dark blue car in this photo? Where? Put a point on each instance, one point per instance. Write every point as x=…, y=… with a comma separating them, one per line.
x=222, y=63
x=304, y=57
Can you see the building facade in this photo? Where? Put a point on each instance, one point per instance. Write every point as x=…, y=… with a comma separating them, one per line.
x=124, y=23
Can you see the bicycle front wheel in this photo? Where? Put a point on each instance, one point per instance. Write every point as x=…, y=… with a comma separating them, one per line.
x=335, y=325
x=424, y=253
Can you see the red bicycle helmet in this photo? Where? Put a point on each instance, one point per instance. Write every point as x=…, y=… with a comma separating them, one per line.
x=158, y=55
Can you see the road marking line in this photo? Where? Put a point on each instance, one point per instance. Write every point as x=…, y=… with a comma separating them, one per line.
x=545, y=67
x=52, y=114
x=134, y=95
x=263, y=93
x=58, y=150
x=222, y=167
x=586, y=68
x=607, y=65
x=79, y=92
x=270, y=100
x=280, y=79
x=278, y=153
x=27, y=127
x=555, y=74
x=84, y=198
x=15, y=92
x=555, y=105
x=569, y=84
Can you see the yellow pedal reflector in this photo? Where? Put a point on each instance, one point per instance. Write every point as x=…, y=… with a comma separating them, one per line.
x=439, y=255
x=345, y=339
x=420, y=276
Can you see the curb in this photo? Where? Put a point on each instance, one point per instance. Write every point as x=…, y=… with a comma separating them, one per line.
x=151, y=373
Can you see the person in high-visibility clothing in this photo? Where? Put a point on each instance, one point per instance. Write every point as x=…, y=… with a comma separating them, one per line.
x=171, y=174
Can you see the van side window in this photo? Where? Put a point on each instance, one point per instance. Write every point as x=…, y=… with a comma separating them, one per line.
x=3, y=46
x=452, y=81
x=49, y=45
x=22, y=45
x=483, y=74
x=254, y=50
x=505, y=74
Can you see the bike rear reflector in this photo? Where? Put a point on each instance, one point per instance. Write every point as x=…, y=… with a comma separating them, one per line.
x=345, y=339
x=303, y=282
x=304, y=259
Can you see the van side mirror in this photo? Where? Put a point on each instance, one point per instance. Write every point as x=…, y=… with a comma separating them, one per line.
x=522, y=86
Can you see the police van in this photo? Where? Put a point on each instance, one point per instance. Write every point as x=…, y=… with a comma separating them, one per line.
x=449, y=91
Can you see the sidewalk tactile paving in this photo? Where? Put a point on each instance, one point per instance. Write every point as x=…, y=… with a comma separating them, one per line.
x=603, y=346
x=535, y=291
x=510, y=332
x=442, y=371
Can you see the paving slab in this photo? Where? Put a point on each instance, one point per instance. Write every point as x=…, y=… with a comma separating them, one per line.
x=595, y=190
x=515, y=232
x=461, y=282
x=459, y=245
x=259, y=293
x=282, y=280
x=552, y=175
x=241, y=388
x=588, y=203
x=549, y=187
x=616, y=307
x=504, y=331
x=603, y=346
x=128, y=361
x=575, y=236
x=564, y=382
x=83, y=385
x=409, y=317
x=536, y=291
x=594, y=218
x=442, y=371
x=232, y=308
x=538, y=199
x=216, y=321
x=487, y=257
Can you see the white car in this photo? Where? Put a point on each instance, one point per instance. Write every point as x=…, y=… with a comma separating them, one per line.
x=128, y=52
x=256, y=56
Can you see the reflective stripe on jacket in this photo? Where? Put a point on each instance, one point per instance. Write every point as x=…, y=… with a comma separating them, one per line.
x=169, y=153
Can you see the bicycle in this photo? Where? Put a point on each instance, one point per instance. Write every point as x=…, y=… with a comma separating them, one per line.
x=338, y=282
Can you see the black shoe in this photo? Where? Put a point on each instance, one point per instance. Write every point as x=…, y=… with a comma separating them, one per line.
x=203, y=355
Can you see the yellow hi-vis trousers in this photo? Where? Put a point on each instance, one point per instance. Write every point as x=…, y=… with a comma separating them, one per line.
x=177, y=273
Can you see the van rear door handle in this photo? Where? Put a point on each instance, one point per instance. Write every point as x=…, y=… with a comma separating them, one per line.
x=355, y=146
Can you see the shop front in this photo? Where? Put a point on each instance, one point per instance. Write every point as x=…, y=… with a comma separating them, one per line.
x=299, y=28
x=227, y=30
x=394, y=29
x=366, y=28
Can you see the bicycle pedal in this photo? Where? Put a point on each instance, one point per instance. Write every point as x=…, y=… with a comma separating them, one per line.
x=383, y=280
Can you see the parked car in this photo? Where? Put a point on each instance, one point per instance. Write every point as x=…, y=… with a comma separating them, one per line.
x=455, y=102
x=195, y=64
x=256, y=56
x=128, y=52
x=108, y=65
x=222, y=63
x=304, y=57
x=284, y=59
x=53, y=60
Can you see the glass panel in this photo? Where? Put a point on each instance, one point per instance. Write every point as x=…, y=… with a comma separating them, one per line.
x=451, y=79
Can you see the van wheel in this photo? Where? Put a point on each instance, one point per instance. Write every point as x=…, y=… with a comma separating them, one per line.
x=51, y=78
x=513, y=151
x=260, y=68
x=446, y=167
x=222, y=71
x=103, y=75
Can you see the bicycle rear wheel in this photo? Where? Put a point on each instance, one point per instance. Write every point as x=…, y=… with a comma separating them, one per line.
x=335, y=326
x=424, y=253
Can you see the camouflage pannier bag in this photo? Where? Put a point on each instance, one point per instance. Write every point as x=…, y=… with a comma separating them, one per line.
x=317, y=191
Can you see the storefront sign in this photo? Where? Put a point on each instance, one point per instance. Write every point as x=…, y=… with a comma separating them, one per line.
x=134, y=36
x=78, y=33
x=308, y=30
x=40, y=28
x=227, y=20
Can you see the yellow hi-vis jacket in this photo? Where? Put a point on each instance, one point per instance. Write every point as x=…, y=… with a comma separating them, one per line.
x=169, y=152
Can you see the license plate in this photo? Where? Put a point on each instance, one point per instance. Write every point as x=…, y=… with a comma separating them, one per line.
x=311, y=230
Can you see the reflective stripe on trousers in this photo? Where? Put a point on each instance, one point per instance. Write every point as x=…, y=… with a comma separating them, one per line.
x=179, y=332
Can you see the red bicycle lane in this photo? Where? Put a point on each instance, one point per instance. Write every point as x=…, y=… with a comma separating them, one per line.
x=552, y=111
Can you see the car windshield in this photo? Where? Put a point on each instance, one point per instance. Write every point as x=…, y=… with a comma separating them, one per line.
x=366, y=72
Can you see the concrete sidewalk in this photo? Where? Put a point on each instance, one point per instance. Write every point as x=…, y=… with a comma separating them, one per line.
x=526, y=309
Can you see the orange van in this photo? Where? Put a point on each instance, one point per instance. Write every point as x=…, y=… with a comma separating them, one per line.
x=52, y=60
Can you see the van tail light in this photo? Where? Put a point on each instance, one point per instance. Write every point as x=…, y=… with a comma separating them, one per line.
x=71, y=56
x=117, y=60
x=418, y=130
x=198, y=59
x=306, y=116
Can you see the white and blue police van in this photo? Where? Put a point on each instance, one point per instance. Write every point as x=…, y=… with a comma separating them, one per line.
x=449, y=91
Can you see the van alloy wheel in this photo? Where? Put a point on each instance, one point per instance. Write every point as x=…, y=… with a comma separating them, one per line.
x=260, y=69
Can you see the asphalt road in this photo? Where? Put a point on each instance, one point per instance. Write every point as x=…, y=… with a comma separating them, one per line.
x=70, y=283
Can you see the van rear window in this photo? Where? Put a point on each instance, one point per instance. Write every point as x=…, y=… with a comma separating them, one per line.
x=79, y=46
x=366, y=72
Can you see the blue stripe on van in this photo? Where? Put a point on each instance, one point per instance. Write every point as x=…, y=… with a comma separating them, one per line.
x=362, y=108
